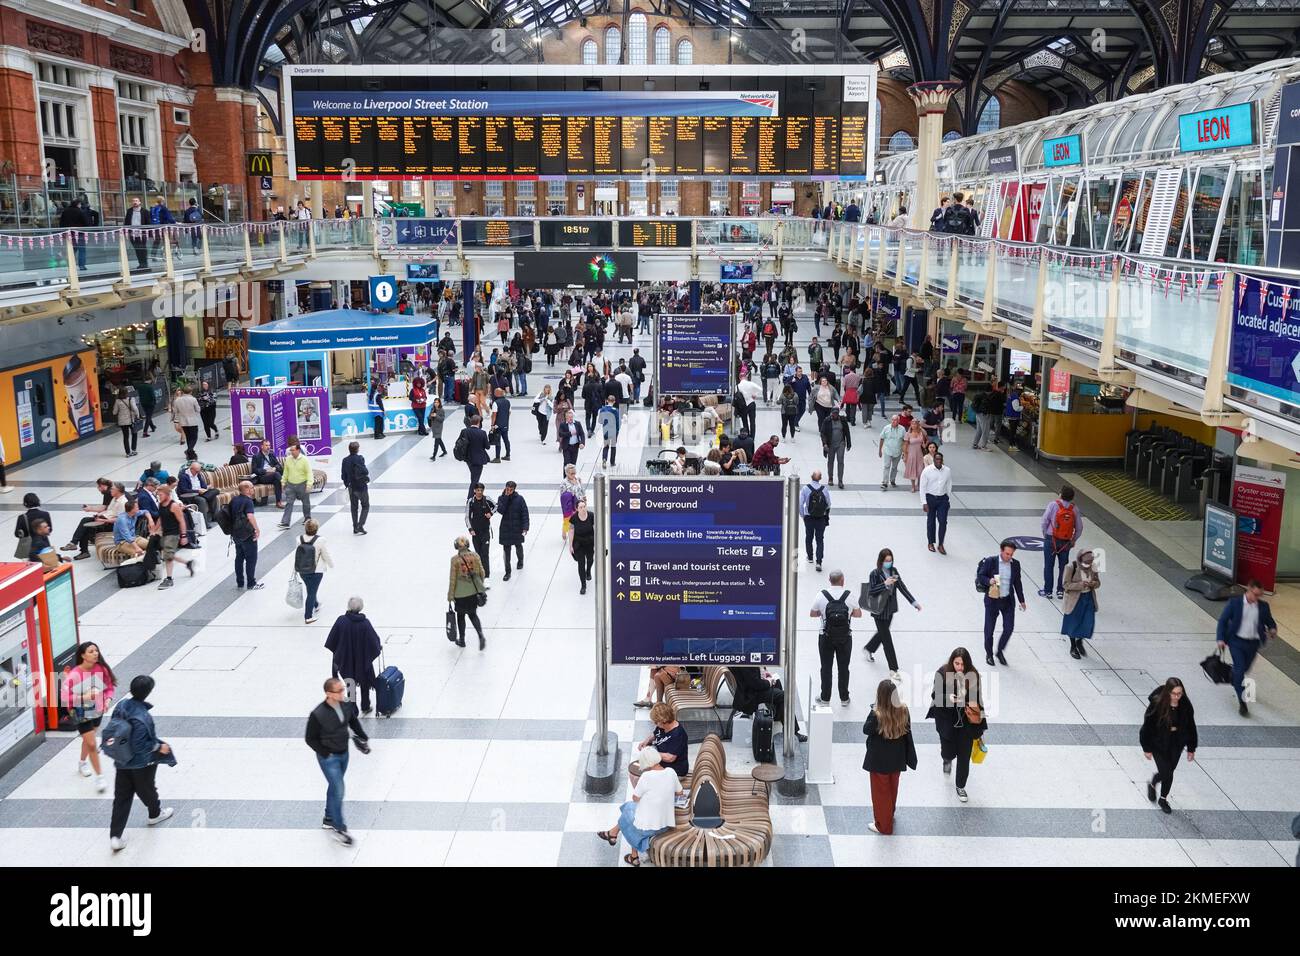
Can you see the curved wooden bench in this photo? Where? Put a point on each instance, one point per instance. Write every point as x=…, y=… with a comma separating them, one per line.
x=706, y=698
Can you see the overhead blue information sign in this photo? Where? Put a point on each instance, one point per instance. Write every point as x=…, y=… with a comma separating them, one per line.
x=425, y=232
x=422, y=272
x=693, y=354
x=1265, y=352
x=1063, y=151
x=1217, y=129
x=695, y=570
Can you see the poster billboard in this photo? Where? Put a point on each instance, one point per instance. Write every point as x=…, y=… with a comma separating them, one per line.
x=1265, y=351
x=1219, y=542
x=1058, y=391
x=1257, y=497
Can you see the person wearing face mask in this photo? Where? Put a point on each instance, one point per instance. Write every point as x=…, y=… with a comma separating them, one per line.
x=883, y=588
x=1081, y=581
x=957, y=709
x=1168, y=727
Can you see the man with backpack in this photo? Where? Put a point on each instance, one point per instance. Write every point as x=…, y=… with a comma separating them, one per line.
x=356, y=479
x=835, y=608
x=957, y=218
x=769, y=333
x=131, y=742
x=471, y=447
x=1062, y=526
x=236, y=519
x=815, y=509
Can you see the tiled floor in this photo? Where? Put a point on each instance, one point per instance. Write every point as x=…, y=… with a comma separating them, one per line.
x=483, y=765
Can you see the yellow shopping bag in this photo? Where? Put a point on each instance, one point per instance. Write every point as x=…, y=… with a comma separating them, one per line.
x=978, y=750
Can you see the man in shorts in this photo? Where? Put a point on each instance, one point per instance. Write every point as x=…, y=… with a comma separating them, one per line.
x=171, y=525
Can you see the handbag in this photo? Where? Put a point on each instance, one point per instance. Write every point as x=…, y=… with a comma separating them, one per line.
x=973, y=715
x=294, y=596
x=451, y=623
x=1218, y=670
x=23, y=550
x=978, y=750
x=877, y=603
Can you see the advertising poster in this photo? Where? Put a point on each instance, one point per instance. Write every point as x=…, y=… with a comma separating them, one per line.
x=73, y=411
x=26, y=424
x=1219, y=542
x=1257, y=497
x=1265, y=353
x=248, y=417
x=302, y=411
x=79, y=384
x=1058, y=391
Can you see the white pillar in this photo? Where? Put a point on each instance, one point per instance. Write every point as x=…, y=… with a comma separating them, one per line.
x=931, y=99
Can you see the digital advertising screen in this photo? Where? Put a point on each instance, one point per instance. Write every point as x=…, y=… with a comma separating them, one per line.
x=737, y=272
x=346, y=122
x=577, y=270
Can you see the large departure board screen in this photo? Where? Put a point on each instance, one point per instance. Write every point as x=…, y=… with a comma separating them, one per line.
x=350, y=124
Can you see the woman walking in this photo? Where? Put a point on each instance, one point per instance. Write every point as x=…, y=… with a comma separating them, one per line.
x=88, y=691
x=437, y=416
x=208, y=411
x=311, y=552
x=890, y=751
x=582, y=541
x=465, y=589
x=543, y=408
x=957, y=395
x=650, y=811
x=1081, y=581
x=125, y=412
x=1168, y=727
x=571, y=492
x=914, y=453
x=957, y=708
x=789, y=411
x=883, y=587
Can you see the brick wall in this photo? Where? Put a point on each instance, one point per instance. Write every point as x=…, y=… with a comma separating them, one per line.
x=19, y=142
x=1020, y=103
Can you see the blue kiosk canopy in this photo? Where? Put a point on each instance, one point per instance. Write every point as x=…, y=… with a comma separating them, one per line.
x=336, y=329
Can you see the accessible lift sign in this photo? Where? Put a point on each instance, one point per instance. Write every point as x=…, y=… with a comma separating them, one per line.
x=695, y=570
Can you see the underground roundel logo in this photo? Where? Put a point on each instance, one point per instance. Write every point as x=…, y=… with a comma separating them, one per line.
x=602, y=269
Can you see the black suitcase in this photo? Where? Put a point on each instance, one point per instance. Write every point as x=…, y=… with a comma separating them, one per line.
x=132, y=575
x=763, y=750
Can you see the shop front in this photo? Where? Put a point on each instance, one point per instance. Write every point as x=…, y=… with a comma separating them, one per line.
x=346, y=352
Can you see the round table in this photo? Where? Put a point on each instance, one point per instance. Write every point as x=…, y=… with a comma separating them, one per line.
x=767, y=774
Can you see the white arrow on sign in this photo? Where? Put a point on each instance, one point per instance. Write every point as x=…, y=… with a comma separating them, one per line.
x=1295, y=366
x=771, y=550
x=621, y=504
x=618, y=487
x=710, y=489
x=619, y=532
x=620, y=565
x=620, y=595
x=621, y=579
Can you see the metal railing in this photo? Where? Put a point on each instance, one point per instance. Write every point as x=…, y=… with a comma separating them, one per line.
x=34, y=202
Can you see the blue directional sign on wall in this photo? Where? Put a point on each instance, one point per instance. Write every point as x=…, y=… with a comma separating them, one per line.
x=695, y=570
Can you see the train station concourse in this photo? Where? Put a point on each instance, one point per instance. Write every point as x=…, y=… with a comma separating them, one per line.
x=858, y=435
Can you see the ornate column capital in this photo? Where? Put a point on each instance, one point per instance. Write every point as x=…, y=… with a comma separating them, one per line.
x=931, y=96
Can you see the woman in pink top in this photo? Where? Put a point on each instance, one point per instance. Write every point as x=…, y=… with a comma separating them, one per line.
x=957, y=395
x=88, y=689
x=914, y=453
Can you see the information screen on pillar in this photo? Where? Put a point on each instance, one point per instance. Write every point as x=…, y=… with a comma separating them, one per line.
x=694, y=571
x=354, y=123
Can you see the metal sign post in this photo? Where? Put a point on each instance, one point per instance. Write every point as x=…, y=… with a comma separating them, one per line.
x=603, y=759
x=793, y=784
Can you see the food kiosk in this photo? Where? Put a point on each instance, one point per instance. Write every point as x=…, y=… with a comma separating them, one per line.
x=344, y=351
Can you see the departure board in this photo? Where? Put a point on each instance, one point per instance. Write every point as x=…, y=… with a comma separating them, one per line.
x=588, y=233
x=501, y=125
x=495, y=232
x=654, y=233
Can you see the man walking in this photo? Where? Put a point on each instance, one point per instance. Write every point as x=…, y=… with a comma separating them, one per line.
x=136, y=760
x=1245, y=626
x=891, y=451
x=500, y=426
x=245, y=533
x=835, y=608
x=329, y=725
x=1062, y=526
x=189, y=416
x=815, y=509
x=170, y=526
x=514, y=526
x=636, y=367
x=609, y=422
x=297, y=485
x=837, y=438
x=750, y=391
x=998, y=578
x=476, y=450
x=478, y=519
x=935, y=486
x=983, y=419
x=356, y=479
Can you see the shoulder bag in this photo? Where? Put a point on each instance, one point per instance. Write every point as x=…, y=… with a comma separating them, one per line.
x=480, y=592
x=23, y=551
x=877, y=602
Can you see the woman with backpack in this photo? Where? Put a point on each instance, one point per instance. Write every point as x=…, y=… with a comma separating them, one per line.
x=310, y=560
x=1168, y=727
x=24, y=527
x=957, y=708
x=883, y=587
x=88, y=689
x=1081, y=580
x=890, y=751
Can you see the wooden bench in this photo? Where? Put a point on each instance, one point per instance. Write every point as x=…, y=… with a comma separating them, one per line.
x=744, y=836
x=226, y=480
x=684, y=697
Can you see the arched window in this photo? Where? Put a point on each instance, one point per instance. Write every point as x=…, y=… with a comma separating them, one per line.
x=901, y=142
x=613, y=44
x=685, y=52
x=991, y=118
x=952, y=134
x=590, y=52
x=637, y=30
x=663, y=46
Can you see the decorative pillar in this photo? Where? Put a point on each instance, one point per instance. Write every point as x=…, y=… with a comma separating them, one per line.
x=318, y=200
x=931, y=98
x=468, y=327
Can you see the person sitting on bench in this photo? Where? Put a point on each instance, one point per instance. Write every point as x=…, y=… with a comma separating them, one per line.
x=195, y=490
x=267, y=470
x=755, y=686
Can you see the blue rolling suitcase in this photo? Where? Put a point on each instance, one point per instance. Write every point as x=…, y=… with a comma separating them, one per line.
x=390, y=685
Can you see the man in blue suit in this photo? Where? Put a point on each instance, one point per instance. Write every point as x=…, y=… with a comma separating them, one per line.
x=1245, y=626
x=1003, y=570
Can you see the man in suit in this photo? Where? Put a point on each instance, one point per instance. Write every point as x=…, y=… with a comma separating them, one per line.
x=1245, y=626
x=476, y=455
x=999, y=578
x=267, y=470
x=195, y=490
